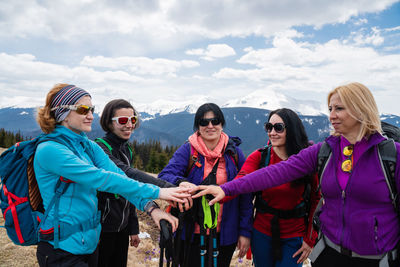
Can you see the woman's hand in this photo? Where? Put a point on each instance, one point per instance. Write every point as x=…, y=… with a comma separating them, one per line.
x=177, y=194
x=134, y=240
x=305, y=250
x=243, y=245
x=214, y=190
x=157, y=214
x=188, y=201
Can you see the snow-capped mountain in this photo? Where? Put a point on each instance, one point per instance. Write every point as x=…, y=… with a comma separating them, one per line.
x=262, y=99
x=271, y=100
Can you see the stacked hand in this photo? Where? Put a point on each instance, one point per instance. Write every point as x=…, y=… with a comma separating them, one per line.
x=214, y=190
x=176, y=194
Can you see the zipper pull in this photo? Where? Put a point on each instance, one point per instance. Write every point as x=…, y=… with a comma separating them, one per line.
x=343, y=194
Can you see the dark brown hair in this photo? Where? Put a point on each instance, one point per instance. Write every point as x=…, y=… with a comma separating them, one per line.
x=109, y=112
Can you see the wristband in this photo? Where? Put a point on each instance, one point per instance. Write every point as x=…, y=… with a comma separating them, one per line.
x=150, y=206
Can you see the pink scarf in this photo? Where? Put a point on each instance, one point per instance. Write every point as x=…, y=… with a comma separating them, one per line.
x=210, y=158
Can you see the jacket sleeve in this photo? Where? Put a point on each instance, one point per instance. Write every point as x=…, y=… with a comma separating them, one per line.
x=297, y=166
x=311, y=235
x=245, y=206
x=133, y=222
x=103, y=175
x=133, y=173
x=251, y=164
x=176, y=168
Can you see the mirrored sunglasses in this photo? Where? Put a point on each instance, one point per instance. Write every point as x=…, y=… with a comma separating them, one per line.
x=279, y=127
x=122, y=120
x=80, y=109
x=205, y=122
x=347, y=164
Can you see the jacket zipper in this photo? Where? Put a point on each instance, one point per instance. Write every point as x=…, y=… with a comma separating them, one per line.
x=123, y=215
x=343, y=219
x=376, y=233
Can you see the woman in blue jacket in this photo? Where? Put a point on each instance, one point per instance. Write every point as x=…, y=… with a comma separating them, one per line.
x=213, y=152
x=76, y=168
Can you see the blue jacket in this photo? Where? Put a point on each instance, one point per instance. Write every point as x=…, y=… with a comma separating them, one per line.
x=90, y=169
x=237, y=213
x=361, y=217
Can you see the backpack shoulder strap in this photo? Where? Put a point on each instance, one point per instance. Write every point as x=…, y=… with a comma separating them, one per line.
x=193, y=160
x=324, y=155
x=101, y=140
x=388, y=157
x=265, y=156
x=265, y=159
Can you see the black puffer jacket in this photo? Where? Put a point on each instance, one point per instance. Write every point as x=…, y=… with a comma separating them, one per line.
x=117, y=213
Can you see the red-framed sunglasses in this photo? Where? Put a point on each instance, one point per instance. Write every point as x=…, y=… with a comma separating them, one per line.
x=122, y=120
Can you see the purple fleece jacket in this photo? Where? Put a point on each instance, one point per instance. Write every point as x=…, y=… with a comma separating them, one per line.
x=361, y=217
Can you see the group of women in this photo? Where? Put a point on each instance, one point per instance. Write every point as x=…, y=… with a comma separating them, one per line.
x=359, y=226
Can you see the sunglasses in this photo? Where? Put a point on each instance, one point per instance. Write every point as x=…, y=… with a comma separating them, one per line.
x=80, y=109
x=347, y=164
x=205, y=122
x=279, y=127
x=122, y=120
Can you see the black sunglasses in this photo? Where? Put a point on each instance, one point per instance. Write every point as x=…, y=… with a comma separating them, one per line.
x=205, y=122
x=279, y=127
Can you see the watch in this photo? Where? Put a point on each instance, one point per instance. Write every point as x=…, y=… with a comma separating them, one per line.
x=150, y=206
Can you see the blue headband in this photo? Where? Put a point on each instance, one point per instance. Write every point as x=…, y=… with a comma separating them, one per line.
x=68, y=95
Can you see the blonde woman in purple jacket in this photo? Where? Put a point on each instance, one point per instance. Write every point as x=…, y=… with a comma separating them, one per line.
x=359, y=225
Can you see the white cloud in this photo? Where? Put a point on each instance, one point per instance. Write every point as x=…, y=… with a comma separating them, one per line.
x=213, y=52
x=301, y=66
x=161, y=20
x=140, y=65
x=374, y=37
x=360, y=22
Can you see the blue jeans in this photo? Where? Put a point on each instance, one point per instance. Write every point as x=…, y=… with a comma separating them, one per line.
x=262, y=252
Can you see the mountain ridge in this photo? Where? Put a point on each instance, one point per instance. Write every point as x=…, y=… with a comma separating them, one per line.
x=175, y=128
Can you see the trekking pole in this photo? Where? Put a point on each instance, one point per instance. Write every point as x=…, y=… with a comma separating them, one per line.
x=165, y=242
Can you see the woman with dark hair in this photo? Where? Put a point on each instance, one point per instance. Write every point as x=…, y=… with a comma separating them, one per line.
x=70, y=169
x=211, y=155
x=119, y=222
x=359, y=222
x=282, y=230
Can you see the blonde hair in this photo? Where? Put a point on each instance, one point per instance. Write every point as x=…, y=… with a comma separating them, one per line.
x=45, y=117
x=361, y=105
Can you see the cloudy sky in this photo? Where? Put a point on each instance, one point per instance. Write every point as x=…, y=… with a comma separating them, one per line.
x=183, y=50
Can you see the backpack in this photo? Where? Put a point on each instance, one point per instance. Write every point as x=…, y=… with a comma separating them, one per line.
x=20, y=199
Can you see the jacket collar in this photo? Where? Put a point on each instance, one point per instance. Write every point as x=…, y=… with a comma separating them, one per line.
x=68, y=135
x=114, y=140
x=374, y=139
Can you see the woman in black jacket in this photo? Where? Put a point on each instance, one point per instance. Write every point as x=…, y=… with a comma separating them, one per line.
x=119, y=220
